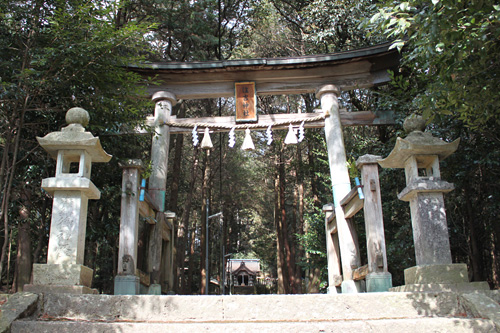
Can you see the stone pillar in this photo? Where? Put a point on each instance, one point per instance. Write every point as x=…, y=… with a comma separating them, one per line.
x=419, y=154
x=332, y=249
x=75, y=150
x=340, y=183
x=126, y=281
x=159, y=147
x=378, y=278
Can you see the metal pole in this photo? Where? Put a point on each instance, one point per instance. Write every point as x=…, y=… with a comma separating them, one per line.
x=221, y=264
x=207, y=279
x=223, y=271
x=231, y=278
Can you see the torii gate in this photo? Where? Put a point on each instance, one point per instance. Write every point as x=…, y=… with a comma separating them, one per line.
x=325, y=75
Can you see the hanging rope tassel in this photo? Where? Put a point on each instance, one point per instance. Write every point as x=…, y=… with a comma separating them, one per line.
x=247, y=143
x=291, y=138
x=206, y=143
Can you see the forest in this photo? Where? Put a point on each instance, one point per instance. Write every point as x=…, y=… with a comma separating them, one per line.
x=58, y=54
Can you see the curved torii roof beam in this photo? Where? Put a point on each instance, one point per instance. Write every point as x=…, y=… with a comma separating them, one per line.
x=361, y=68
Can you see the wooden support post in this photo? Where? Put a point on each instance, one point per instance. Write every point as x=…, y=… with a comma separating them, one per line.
x=159, y=147
x=340, y=183
x=378, y=278
x=129, y=217
x=126, y=282
x=154, y=254
x=332, y=249
x=168, y=255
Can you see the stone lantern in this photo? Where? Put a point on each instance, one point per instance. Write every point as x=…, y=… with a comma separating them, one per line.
x=75, y=150
x=419, y=154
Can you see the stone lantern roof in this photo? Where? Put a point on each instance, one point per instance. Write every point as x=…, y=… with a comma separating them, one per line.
x=75, y=137
x=417, y=142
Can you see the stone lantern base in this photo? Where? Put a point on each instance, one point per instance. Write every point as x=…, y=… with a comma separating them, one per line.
x=444, y=277
x=61, y=278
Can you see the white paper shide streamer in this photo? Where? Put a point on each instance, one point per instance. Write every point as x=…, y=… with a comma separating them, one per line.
x=232, y=139
x=269, y=134
x=195, y=136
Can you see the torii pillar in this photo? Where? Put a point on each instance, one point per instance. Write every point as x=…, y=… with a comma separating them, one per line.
x=164, y=101
x=328, y=95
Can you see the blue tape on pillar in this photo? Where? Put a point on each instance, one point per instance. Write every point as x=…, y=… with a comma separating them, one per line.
x=339, y=192
x=360, y=190
x=162, y=201
x=143, y=190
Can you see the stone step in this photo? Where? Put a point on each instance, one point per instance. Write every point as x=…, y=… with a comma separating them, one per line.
x=436, y=325
x=250, y=308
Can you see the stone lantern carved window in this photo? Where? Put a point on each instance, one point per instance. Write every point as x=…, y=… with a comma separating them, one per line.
x=73, y=163
x=422, y=167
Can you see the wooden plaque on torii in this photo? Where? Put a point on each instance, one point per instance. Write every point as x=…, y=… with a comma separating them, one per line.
x=246, y=102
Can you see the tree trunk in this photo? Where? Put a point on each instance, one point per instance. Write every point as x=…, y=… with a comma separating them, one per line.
x=203, y=240
x=8, y=191
x=282, y=280
x=475, y=257
x=176, y=168
x=183, y=226
x=23, y=263
x=289, y=259
x=174, y=196
x=294, y=244
x=312, y=175
x=41, y=232
x=16, y=124
x=191, y=256
x=299, y=223
x=9, y=254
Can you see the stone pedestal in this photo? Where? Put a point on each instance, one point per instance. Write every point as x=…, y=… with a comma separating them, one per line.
x=451, y=273
x=154, y=289
x=61, y=278
x=352, y=287
x=127, y=285
x=378, y=282
x=436, y=277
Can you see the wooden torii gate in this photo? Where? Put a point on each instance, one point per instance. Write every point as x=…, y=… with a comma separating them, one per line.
x=325, y=75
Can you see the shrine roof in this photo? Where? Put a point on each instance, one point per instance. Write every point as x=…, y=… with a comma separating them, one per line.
x=259, y=63
x=249, y=265
x=352, y=69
